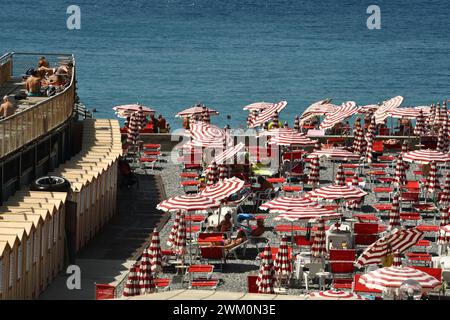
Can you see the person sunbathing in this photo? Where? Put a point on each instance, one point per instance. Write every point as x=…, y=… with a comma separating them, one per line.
x=225, y=225
x=43, y=62
x=231, y=243
x=33, y=84
x=7, y=108
x=259, y=230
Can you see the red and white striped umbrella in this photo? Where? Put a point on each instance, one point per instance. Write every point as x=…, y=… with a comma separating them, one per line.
x=205, y=115
x=441, y=140
x=426, y=156
x=334, y=153
x=133, y=129
x=306, y=213
x=314, y=172
x=223, y=172
x=318, y=248
x=393, y=277
x=405, y=147
x=432, y=179
x=445, y=198
x=394, y=214
x=297, y=124
x=154, y=252
x=266, y=276
x=268, y=113
x=333, y=192
x=400, y=172
x=292, y=139
x=445, y=127
x=383, y=111
x=282, y=264
x=132, y=285
x=346, y=110
x=340, y=176
x=318, y=108
x=358, y=139
x=194, y=202
x=179, y=244
x=212, y=174
x=443, y=238
x=195, y=110
x=397, y=239
x=173, y=231
x=446, y=229
x=369, y=152
x=276, y=120
x=209, y=136
x=284, y=204
x=223, y=190
x=440, y=115
x=257, y=106
x=336, y=294
x=370, y=134
x=229, y=153
x=430, y=119
x=146, y=282
x=408, y=113
x=419, y=129
x=127, y=110
x=354, y=204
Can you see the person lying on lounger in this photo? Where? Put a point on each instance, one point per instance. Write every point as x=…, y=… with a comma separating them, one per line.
x=231, y=243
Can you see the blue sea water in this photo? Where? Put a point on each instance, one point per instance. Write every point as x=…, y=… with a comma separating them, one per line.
x=170, y=54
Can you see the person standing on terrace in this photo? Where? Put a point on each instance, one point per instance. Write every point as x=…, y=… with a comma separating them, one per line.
x=33, y=85
x=7, y=107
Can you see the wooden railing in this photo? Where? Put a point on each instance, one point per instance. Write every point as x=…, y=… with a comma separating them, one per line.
x=34, y=122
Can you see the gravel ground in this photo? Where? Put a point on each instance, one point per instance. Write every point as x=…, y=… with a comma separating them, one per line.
x=235, y=272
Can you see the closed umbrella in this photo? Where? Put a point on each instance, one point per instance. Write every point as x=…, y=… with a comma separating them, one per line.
x=297, y=124
x=340, y=176
x=394, y=215
x=419, y=129
x=440, y=143
x=223, y=172
x=369, y=152
x=445, y=198
x=443, y=237
x=314, y=172
x=432, y=180
x=132, y=284
x=358, y=139
x=282, y=263
x=173, y=231
x=400, y=172
x=266, y=276
x=318, y=248
x=179, y=244
x=154, y=252
x=212, y=176
x=146, y=282
x=430, y=119
x=133, y=129
x=355, y=204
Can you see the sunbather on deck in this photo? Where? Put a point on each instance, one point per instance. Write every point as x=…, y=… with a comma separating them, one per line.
x=33, y=84
x=7, y=108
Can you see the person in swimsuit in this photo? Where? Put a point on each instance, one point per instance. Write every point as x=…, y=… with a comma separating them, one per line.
x=7, y=108
x=225, y=225
x=33, y=85
x=43, y=63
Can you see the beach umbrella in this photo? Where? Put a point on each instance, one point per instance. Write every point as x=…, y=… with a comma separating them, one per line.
x=179, y=244
x=394, y=214
x=127, y=110
x=397, y=239
x=393, y=277
x=223, y=172
x=335, y=154
x=297, y=124
x=317, y=146
x=346, y=110
x=430, y=119
x=212, y=174
x=445, y=198
x=282, y=264
x=438, y=119
x=419, y=129
x=146, y=282
x=358, y=139
x=192, y=120
x=257, y=106
x=173, y=230
x=268, y=113
x=336, y=294
x=284, y=204
x=275, y=121
x=314, y=172
x=354, y=204
x=188, y=203
x=404, y=147
x=425, y=156
x=382, y=112
x=445, y=130
x=440, y=143
x=292, y=139
x=432, y=179
x=334, y=192
x=400, y=172
x=369, y=152
x=205, y=115
x=319, y=108
x=443, y=239
x=209, y=136
x=266, y=276
x=154, y=252
x=223, y=190
x=229, y=153
x=196, y=110
x=133, y=129
x=132, y=285
x=308, y=212
x=340, y=176
x=318, y=248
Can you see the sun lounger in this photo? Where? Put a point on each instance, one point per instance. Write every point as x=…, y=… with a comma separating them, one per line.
x=419, y=259
x=204, y=284
x=213, y=254
x=162, y=284
x=342, y=268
